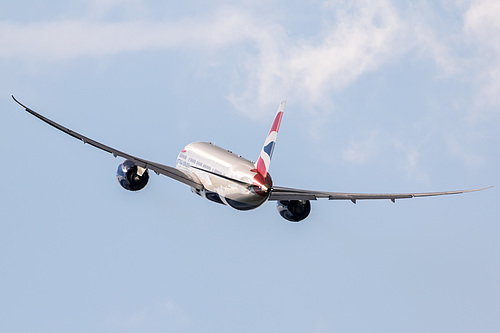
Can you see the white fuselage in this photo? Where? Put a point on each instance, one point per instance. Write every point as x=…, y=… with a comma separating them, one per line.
x=227, y=178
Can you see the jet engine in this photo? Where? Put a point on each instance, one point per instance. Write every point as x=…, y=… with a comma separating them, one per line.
x=294, y=210
x=131, y=176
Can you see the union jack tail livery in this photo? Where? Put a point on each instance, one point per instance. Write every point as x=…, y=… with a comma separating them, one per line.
x=267, y=151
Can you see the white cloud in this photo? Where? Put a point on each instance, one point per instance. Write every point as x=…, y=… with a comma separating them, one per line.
x=69, y=39
x=98, y=8
x=362, y=150
x=356, y=37
x=372, y=145
x=429, y=43
x=362, y=37
x=411, y=162
x=482, y=26
x=482, y=18
x=462, y=39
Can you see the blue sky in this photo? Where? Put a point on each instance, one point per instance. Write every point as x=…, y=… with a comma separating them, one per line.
x=383, y=96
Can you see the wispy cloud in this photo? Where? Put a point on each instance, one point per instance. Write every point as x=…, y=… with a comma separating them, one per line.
x=69, y=39
x=373, y=144
x=482, y=27
x=410, y=161
x=360, y=38
x=362, y=150
x=355, y=38
x=98, y=8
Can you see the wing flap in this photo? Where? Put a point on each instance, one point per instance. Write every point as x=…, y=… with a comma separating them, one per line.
x=165, y=170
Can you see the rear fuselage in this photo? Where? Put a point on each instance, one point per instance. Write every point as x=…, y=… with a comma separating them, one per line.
x=227, y=178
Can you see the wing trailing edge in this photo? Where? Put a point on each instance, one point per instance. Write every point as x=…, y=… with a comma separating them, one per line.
x=285, y=193
x=158, y=168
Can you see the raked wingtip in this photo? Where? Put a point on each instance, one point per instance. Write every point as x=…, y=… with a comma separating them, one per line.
x=14, y=98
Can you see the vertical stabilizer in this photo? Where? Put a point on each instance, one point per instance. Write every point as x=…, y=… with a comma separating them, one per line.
x=266, y=153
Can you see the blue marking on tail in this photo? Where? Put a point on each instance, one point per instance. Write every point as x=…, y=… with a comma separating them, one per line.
x=269, y=149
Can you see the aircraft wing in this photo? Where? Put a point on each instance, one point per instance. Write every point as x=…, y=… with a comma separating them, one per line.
x=156, y=167
x=285, y=193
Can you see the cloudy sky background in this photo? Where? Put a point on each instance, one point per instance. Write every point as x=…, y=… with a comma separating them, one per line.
x=383, y=96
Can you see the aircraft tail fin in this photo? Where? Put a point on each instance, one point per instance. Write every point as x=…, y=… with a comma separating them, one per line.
x=266, y=153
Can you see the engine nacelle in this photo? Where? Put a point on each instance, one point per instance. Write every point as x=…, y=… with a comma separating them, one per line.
x=131, y=176
x=294, y=210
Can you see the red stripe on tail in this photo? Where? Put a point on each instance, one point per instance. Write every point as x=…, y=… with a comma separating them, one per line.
x=277, y=122
x=261, y=167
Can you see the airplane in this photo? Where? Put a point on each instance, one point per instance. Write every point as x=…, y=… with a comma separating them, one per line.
x=223, y=177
